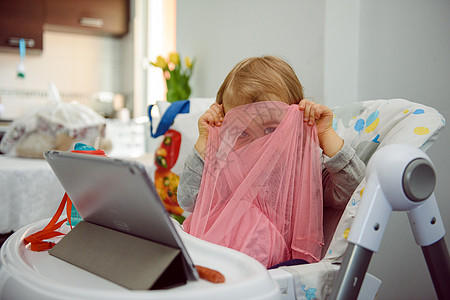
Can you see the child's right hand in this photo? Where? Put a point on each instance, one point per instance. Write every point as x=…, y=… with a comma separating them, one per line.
x=212, y=117
x=330, y=142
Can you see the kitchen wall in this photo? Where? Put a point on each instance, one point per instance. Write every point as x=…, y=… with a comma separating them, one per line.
x=77, y=64
x=342, y=51
x=404, y=51
x=221, y=33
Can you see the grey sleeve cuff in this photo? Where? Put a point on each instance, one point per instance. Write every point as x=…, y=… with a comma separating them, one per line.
x=190, y=180
x=198, y=158
x=341, y=176
x=340, y=160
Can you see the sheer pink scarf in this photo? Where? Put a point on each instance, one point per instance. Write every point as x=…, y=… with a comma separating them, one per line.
x=261, y=189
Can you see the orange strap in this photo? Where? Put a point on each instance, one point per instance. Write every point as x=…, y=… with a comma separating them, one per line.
x=38, y=241
x=92, y=152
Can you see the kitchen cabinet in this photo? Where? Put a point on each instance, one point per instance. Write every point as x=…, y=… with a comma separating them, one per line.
x=28, y=19
x=21, y=19
x=98, y=17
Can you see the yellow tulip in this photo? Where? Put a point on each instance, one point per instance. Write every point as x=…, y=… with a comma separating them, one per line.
x=160, y=63
x=174, y=58
x=176, y=74
x=188, y=62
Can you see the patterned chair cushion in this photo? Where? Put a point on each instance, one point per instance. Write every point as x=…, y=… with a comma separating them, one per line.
x=370, y=125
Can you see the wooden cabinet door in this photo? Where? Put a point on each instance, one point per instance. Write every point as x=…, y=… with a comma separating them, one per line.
x=21, y=19
x=103, y=17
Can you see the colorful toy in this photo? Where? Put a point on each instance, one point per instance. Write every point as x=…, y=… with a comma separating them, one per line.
x=166, y=181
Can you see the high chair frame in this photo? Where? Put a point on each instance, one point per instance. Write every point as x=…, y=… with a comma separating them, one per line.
x=369, y=127
x=404, y=181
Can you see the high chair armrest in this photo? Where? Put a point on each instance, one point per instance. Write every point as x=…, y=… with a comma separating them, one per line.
x=301, y=281
x=285, y=281
x=315, y=281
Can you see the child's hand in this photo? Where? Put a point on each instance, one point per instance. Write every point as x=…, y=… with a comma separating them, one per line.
x=322, y=116
x=212, y=117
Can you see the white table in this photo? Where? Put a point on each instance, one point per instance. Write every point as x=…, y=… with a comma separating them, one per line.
x=29, y=191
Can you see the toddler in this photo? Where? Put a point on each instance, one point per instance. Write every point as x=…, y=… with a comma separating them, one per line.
x=260, y=102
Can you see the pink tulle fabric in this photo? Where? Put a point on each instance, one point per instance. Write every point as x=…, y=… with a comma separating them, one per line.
x=261, y=189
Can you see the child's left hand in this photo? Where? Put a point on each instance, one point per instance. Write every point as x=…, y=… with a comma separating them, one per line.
x=322, y=116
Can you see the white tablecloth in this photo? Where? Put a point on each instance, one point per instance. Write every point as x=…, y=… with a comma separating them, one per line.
x=29, y=191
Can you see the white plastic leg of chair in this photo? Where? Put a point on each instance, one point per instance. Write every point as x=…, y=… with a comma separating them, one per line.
x=308, y=281
x=285, y=281
x=369, y=287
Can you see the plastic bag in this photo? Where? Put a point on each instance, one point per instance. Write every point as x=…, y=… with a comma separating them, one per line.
x=57, y=125
x=261, y=188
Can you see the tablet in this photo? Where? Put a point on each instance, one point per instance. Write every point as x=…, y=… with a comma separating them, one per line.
x=117, y=194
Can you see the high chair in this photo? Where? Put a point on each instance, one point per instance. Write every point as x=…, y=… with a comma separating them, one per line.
x=368, y=126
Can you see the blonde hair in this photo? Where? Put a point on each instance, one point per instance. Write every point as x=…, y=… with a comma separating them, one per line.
x=256, y=79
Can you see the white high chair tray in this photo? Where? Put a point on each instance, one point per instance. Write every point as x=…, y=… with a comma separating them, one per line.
x=25, y=274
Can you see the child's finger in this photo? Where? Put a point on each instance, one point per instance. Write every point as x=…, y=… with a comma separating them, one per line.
x=217, y=111
x=302, y=104
x=215, y=117
x=207, y=119
x=216, y=105
x=319, y=111
x=311, y=111
x=307, y=111
x=312, y=115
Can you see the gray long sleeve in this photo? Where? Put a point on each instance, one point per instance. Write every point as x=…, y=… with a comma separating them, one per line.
x=190, y=180
x=341, y=175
